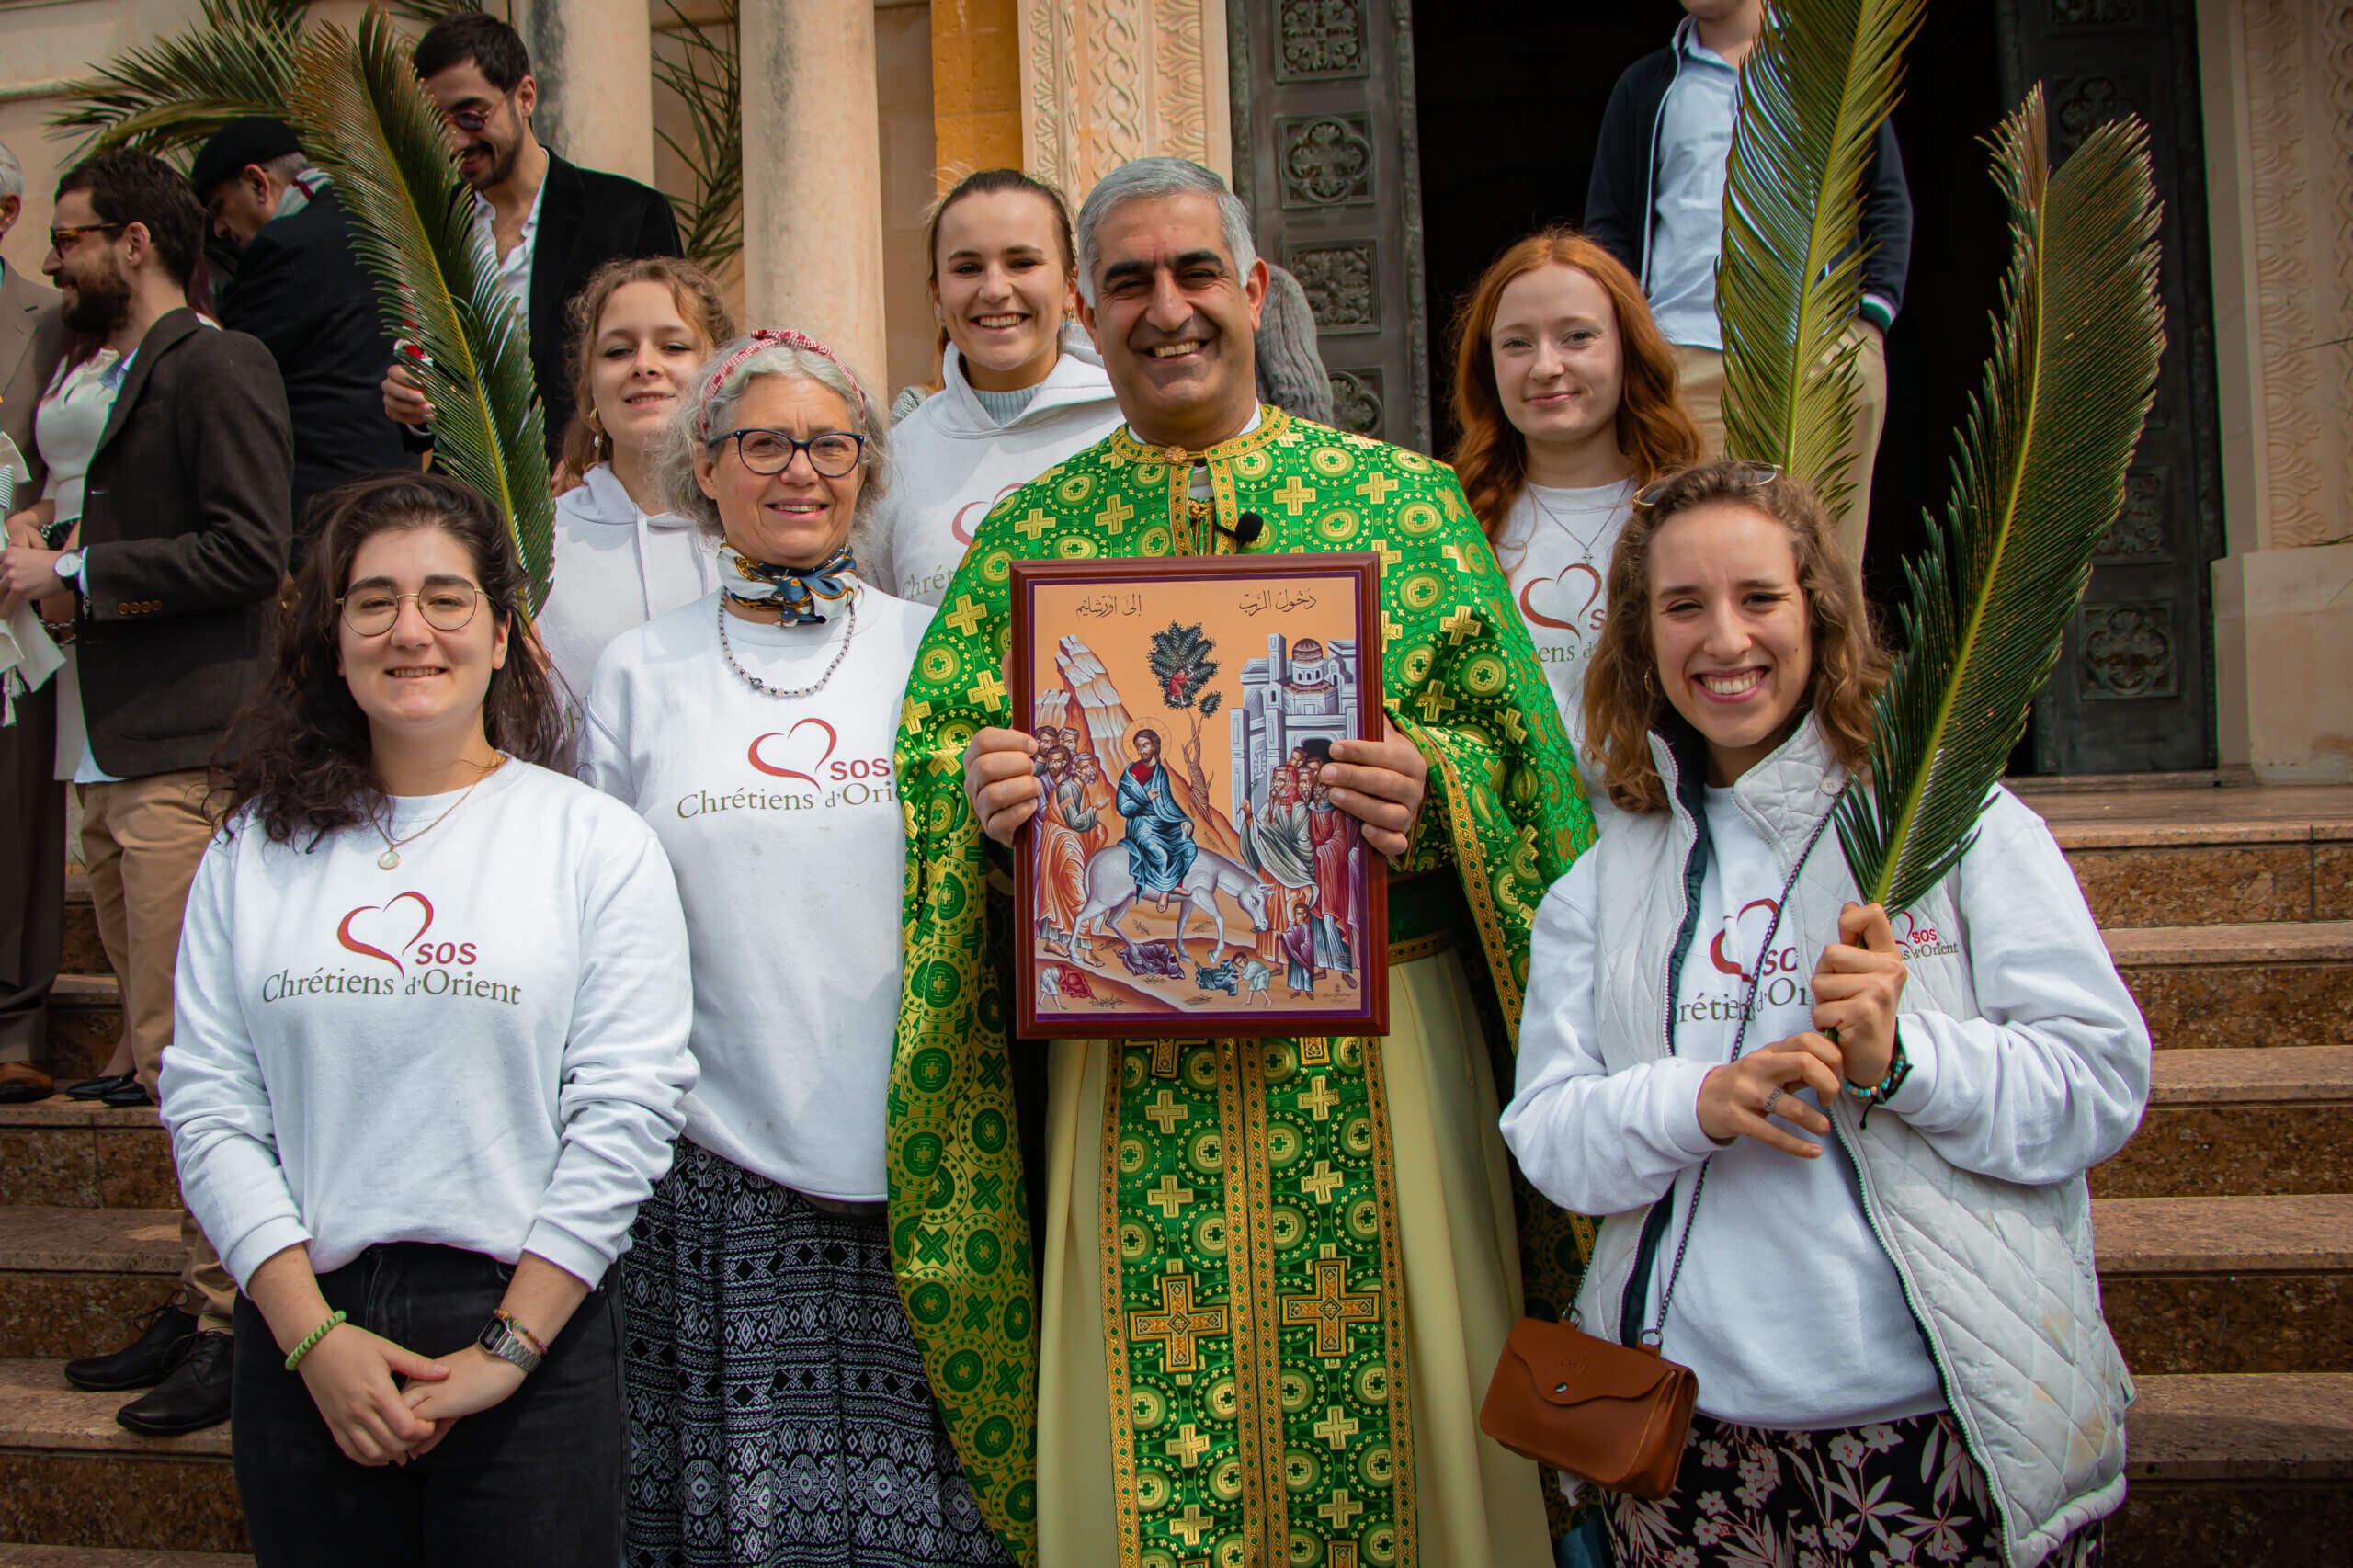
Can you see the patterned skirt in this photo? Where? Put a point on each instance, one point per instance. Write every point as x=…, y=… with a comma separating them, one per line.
x=1895, y=1492
x=779, y=1414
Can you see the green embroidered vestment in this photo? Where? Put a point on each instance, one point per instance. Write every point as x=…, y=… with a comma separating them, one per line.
x=1251, y=1281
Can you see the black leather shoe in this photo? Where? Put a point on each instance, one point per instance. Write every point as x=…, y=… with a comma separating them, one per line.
x=195, y=1396
x=143, y=1364
x=126, y=1098
x=98, y=1088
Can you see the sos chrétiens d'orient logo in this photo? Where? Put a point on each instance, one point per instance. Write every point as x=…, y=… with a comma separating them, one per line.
x=398, y=934
x=804, y=759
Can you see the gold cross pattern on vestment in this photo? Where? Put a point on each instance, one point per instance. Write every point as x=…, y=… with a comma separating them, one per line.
x=1332, y=1307
x=1179, y=1326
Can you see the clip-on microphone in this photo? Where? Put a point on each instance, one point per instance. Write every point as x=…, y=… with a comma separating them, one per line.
x=1245, y=530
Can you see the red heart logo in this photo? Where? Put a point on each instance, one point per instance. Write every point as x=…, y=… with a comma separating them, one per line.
x=358, y=945
x=958, y=525
x=1565, y=589
x=768, y=768
x=1716, y=954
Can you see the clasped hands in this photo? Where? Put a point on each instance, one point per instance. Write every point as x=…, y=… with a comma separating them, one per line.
x=1856, y=988
x=1380, y=783
x=377, y=1422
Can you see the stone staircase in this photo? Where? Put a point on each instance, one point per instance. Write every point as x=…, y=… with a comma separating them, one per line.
x=2225, y=1229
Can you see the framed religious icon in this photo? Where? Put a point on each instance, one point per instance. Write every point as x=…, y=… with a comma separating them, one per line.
x=1187, y=873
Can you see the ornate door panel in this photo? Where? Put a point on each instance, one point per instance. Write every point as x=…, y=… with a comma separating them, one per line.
x=2134, y=688
x=1323, y=156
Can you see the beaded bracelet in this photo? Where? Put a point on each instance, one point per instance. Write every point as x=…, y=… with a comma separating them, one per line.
x=294, y=1360
x=1899, y=1067
x=530, y=1340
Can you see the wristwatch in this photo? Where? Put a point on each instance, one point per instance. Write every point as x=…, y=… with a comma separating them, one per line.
x=506, y=1345
x=69, y=566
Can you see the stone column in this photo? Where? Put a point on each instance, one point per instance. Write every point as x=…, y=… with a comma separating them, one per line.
x=1101, y=84
x=593, y=60
x=2277, y=80
x=813, y=178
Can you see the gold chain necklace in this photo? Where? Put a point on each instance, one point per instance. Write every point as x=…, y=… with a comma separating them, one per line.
x=391, y=858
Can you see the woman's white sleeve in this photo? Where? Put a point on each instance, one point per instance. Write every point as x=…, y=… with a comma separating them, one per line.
x=2052, y=1077
x=1592, y=1141
x=224, y=1143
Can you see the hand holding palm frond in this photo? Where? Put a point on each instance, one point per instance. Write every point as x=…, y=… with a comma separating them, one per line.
x=362, y=117
x=2040, y=476
x=1813, y=94
x=176, y=92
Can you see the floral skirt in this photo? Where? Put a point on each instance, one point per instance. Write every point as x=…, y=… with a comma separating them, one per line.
x=778, y=1408
x=1896, y=1491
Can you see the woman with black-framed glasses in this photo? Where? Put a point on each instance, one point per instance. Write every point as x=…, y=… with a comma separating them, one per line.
x=778, y=1407
x=430, y=1056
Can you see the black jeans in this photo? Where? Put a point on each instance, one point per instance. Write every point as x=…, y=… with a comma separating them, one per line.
x=537, y=1479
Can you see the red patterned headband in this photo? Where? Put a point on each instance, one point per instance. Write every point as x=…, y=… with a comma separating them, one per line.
x=766, y=337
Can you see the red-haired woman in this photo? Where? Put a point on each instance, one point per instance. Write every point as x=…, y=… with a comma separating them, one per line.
x=1565, y=394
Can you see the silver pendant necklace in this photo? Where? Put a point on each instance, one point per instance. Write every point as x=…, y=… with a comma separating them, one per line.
x=748, y=679
x=1607, y=509
x=391, y=858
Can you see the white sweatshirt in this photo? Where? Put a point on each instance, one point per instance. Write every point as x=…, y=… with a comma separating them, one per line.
x=1788, y=1308
x=616, y=566
x=782, y=819
x=1554, y=548
x=483, y=1048
x=950, y=462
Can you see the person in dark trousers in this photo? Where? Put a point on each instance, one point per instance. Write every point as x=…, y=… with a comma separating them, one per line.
x=1656, y=199
x=548, y=224
x=174, y=567
x=299, y=287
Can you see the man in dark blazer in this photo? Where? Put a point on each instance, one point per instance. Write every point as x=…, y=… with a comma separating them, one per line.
x=551, y=223
x=32, y=802
x=175, y=567
x=301, y=289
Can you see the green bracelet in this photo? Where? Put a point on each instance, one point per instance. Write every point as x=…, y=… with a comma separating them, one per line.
x=295, y=1359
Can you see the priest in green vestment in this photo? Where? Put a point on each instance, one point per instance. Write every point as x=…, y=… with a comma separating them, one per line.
x=1253, y=1323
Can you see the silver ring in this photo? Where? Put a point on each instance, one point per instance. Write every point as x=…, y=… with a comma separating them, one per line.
x=1768, y=1102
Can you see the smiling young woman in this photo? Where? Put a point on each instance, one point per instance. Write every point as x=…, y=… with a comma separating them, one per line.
x=1674, y=1027
x=405, y=954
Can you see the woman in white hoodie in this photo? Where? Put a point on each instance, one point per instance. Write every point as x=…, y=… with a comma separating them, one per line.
x=639, y=329
x=1021, y=388
x=1848, y=1193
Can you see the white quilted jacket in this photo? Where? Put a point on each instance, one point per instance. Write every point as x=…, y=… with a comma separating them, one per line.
x=1979, y=1199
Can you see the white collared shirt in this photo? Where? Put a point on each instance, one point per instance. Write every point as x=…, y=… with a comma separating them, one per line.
x=515, y=267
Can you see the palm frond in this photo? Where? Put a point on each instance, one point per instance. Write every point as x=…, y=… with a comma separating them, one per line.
x=172, y=94
x=700, y=65
x=1813, y=94
x=2039, y=478
x=362, y=117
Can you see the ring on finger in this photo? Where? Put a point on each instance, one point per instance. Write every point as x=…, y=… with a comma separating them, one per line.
x=1769, y=1101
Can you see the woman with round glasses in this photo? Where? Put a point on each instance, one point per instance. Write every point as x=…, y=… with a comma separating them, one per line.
x=779, y=1406
x=431, y=1052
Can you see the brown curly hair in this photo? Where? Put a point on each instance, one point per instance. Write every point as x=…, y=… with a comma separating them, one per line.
x=300, y=751
x=700, y=305
x=1655, y=432
x=1623, y=699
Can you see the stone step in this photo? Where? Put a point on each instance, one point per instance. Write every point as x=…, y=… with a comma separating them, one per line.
x=2256, y=984
x=2265, y=1119
x=2251, y=1468
x=69, y=1476
x=64, y=1154
x=84, y=1020
x=2223, y=1285
x=2179, y=855
x=83, y=952
x=14, y=1555
x=83, y=1281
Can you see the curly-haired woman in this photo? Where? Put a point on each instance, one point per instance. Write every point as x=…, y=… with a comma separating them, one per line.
x=1843, y=1183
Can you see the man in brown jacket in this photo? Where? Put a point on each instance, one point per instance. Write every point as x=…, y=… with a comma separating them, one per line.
x=32, y=803
x=175, y=567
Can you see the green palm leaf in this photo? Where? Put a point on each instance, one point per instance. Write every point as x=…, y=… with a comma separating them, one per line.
x=173, y=93
x=361, y=115
x=2038, y=480
x=1813, y=93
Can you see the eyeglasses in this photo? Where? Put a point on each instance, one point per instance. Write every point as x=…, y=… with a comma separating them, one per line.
x=59, y=240
x=471, y=120
x=1744, y=473
x=832, y=454
x=446, y=607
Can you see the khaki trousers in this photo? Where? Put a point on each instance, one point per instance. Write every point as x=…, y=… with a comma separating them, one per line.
x=1700, y=376
x=141, y=839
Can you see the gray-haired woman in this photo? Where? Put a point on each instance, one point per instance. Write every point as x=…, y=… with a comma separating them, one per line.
x=778, y=1409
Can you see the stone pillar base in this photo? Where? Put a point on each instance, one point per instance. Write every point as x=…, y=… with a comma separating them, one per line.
x=2283, y=641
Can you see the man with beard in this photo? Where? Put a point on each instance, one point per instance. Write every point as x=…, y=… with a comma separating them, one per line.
x=175, y=566
x=32, y=803
x=546, y=223
x=1174, y=1387
x=300, y=288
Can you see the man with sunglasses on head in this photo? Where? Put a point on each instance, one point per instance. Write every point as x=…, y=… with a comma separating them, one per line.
x=174, y=566
x=546, y=222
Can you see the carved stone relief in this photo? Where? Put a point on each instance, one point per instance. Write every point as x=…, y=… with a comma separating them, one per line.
x=1356, y=400
x=1340, y=281
x=2139, y=531
x=2129, y=649
x=1105, y=81
x=1322, y=41
x=1325, y=160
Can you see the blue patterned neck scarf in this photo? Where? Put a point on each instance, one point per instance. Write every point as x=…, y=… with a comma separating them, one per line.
x=794, y=592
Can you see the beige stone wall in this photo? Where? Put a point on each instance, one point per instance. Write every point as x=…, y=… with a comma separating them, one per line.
x=1104, y=81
